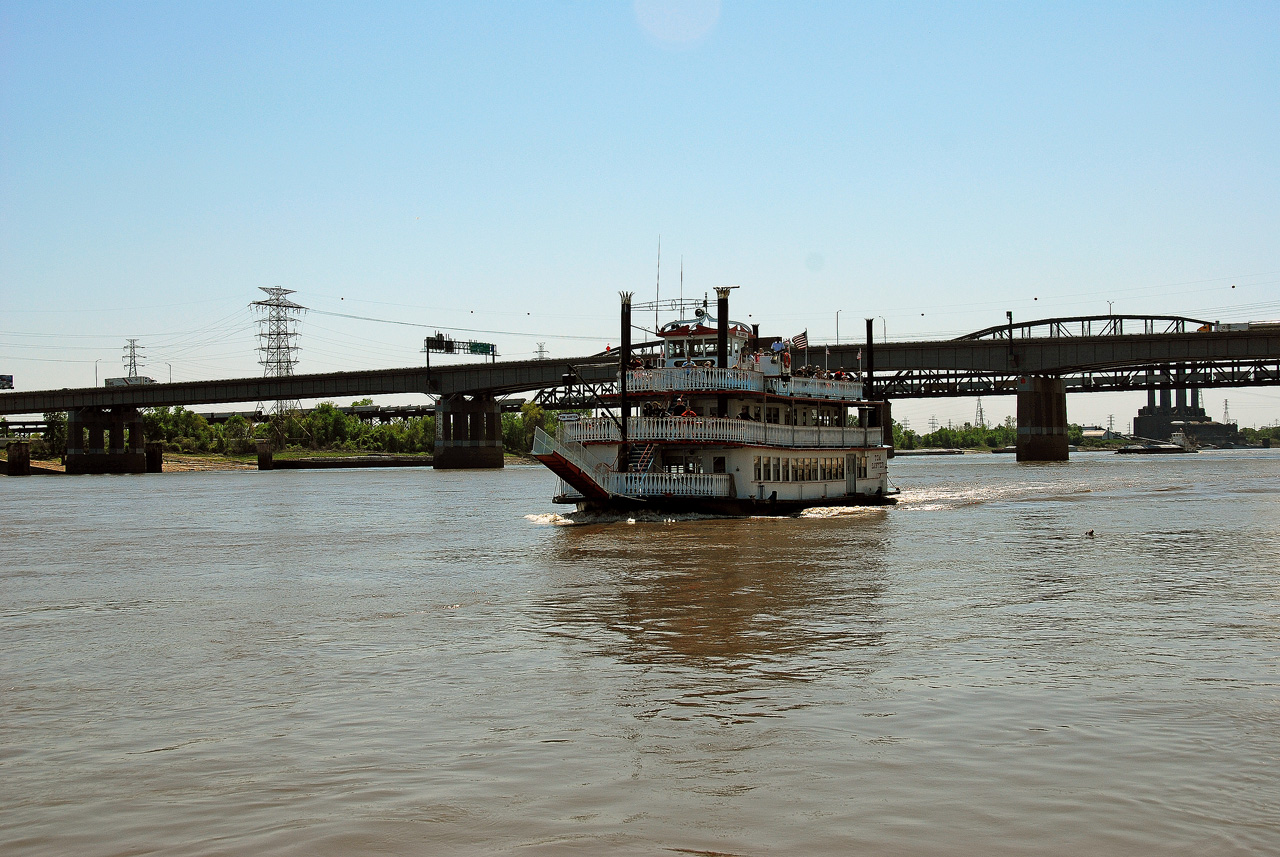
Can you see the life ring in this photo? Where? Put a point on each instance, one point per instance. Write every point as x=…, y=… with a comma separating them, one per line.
x=786, y=360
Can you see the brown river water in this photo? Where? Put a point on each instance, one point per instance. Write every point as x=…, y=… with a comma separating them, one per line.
x=433, y=663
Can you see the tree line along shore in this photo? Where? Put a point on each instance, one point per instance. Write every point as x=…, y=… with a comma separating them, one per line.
x=327, y=430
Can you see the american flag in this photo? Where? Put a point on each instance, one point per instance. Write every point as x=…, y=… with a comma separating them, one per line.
x=801, y=340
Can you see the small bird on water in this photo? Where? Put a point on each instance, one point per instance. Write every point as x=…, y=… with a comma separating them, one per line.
x=1089, y=534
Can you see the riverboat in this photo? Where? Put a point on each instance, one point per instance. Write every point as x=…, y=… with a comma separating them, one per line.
x=719, y=420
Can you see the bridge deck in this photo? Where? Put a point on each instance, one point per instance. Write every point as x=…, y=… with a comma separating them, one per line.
x=904, y=369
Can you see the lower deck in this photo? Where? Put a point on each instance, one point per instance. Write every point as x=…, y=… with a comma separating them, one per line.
x=700, y=473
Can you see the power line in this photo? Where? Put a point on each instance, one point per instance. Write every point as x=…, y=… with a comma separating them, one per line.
x=460, y=329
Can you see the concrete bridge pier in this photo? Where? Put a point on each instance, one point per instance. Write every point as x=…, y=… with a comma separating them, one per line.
x=19, y=463
x=115, y=441
x=468, y=432
x=1042, y=419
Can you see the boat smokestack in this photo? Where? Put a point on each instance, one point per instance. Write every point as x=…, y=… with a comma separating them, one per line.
x=722, y=342
x=624, y=365
x=722, y=327
x=869, y=387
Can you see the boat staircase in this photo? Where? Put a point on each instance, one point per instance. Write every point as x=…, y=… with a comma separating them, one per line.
x=572, y=463
x=642, y=457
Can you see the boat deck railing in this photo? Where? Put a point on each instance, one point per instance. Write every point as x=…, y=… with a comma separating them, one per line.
x=670, y=484
x=695, y=379
x=629, y=484
x=719, y=430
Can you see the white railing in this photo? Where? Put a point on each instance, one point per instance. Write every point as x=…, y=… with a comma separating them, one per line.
x=699, y=379
x=673, y=484
x=575, y=453
x=719, y=430
x=816, y=388
x=692, y=378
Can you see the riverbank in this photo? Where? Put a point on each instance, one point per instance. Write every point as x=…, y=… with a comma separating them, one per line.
x=178, y=462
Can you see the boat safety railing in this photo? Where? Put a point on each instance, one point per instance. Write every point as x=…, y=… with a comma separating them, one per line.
x=816, y=388
x=693, y=378
x=568, y=492
x=672, y=484
x=718, y=430
x=701, y=379
x=572, y=451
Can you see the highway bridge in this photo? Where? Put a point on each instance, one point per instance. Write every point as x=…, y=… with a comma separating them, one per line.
x=1040, y=361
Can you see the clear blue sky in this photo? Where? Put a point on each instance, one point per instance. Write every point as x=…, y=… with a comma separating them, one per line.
x=509, y=167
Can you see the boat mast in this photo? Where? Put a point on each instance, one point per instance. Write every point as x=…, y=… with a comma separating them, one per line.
x=657, y=289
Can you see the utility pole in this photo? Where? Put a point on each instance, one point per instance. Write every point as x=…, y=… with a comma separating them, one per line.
x=279, y=335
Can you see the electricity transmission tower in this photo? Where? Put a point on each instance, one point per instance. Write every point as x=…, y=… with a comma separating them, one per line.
x=933, y=423
x=980, y=418
x=131, y=358
x=1226, y=412
x=542, y=351
x=279, y=334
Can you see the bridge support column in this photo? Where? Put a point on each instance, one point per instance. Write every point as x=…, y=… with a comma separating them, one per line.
x=155, y=456
x=1042, y=419
x=19, y=459
x=106, y=451
x=468, y=432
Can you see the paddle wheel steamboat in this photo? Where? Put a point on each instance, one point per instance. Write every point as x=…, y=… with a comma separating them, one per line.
x=719, y=420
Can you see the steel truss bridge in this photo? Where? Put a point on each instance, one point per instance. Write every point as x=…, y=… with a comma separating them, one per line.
x=1089, y=354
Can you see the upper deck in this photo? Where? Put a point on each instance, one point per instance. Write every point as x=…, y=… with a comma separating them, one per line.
x=698, y=379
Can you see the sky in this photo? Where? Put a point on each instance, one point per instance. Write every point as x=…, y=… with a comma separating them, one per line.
x=500, y=171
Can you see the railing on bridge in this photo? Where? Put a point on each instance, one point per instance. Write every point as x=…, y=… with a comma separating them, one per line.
x=1090, y=325
x=719, y=430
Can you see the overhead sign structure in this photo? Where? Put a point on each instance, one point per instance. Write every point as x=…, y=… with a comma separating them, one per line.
x=442, y=343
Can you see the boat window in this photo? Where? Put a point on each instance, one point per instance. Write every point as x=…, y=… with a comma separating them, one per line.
x=675, y=348
x=757, y=468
